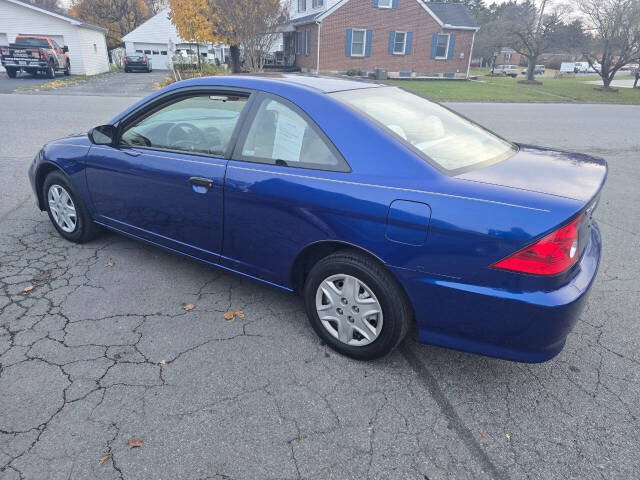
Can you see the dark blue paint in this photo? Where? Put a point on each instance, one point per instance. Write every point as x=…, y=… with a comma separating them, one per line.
x=437, y=234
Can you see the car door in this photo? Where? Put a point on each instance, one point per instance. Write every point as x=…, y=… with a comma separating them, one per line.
x=273, y=204
x=163, y=181
x=59, y=54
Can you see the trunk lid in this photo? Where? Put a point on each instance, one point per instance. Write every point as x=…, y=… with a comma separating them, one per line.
x=552, y=172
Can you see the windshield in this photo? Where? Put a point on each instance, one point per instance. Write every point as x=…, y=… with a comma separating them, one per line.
x=445, y=138
x=32, y=42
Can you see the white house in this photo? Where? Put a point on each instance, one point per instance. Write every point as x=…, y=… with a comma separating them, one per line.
x=159, y=40
x=87, y=43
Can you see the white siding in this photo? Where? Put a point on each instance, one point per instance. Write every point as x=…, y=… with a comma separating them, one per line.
x=3, y=41
x=17, y=19
x=94, y=51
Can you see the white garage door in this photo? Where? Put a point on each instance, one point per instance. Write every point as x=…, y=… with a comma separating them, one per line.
x=157, y=52
x=58, y=38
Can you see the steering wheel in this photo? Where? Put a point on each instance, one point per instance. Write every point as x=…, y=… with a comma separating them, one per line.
x=185, y=135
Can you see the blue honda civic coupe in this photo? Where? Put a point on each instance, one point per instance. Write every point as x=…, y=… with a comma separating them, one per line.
x=381, y=209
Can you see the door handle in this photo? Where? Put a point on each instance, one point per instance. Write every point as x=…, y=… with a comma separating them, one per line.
x=128, y=151
x=201, y=182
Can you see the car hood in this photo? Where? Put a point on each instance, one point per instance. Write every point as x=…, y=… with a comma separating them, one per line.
x=553, y=172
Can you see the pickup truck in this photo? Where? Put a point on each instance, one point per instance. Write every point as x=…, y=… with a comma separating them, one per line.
x=35, y=55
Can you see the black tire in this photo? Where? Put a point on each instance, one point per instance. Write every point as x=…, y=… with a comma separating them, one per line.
x=67, y=69
x=85, y=228
x=126, y=70
x=396, y=309
x=12, y=72
x=51, y=70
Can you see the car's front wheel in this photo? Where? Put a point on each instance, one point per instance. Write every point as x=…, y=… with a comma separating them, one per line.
x=66, y=210
x=356, y=306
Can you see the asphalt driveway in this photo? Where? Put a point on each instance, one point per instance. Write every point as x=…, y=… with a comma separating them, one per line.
x=101, y=350
x=112, y=84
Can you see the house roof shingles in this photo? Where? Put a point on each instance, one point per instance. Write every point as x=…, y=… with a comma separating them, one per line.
x=455, y=14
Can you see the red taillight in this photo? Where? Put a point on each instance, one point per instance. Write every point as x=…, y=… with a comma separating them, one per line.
x=41, y=53
x=550, y=255
x=124, y=60
x=5, y=51
x=144, y=60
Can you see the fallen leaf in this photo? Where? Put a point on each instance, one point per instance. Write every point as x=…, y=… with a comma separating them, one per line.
x=105, y=457
x=481, y=433
x=41, y=277
x=163, y=362
x=508, y=435
x=27, y=289
x=299, y=439
x=189, y=307
x=135, y=442
x=110, y=264
x=229, y=316
x=240, y=314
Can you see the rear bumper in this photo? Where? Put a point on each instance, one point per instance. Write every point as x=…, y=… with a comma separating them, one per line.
x=521, y=326
x=28, y=64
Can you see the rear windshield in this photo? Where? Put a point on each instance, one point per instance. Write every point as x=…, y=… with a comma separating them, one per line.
x=32, y=42
x=444, y=138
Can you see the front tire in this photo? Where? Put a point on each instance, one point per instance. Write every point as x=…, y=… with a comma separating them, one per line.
x=66, y=210
x=67, y=70
x=12, y=72
x=356, y=306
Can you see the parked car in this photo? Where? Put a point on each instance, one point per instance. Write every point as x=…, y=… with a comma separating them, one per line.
x=538, y=70
x=381, y=209
x=35, y=55
x=506, y=70
x=137, y=62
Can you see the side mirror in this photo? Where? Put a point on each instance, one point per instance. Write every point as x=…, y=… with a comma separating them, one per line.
x=103, y=135
x=65, y=49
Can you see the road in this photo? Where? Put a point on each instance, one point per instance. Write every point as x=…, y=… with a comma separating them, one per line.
x=102, y=350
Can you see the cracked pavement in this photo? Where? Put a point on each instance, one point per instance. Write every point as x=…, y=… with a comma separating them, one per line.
x=102, y=350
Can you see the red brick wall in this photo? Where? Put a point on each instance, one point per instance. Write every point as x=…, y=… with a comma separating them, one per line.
x=409, y=16
x=309, y=61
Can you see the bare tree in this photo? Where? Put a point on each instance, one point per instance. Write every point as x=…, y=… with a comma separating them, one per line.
x=529, y=28
x=615, y=26
x=252, y=25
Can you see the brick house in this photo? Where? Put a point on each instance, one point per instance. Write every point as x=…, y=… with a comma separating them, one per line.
x=508, y=56
x=404, y=37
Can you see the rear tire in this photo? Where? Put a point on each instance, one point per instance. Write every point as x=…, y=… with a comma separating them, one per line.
x=67, y=70
x=84, y=229
x=12, y=72
x=51, y=70
x=376, y=288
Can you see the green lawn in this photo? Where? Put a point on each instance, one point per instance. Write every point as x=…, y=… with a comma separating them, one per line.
x=499, y=89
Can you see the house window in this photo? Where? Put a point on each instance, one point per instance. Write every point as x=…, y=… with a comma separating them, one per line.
x=139, y=51
x=155, y=52
x=400, y=43
x=300, y=38
x=302, y=5
x=148, y=52
x=357, y=43
x=385, y=3
x=443, y=46
x=317, y=3
x=163, y=52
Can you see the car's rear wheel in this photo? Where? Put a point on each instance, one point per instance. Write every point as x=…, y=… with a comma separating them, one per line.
x=66, y=210
x=67, y=70
x=51, y=70
x=12, y=72
x=356, y=306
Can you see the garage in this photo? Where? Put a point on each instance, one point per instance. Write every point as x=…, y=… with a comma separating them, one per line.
x=86, y=42
x=157, y=53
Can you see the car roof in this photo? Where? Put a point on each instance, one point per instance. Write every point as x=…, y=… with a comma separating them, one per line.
x=319, y=83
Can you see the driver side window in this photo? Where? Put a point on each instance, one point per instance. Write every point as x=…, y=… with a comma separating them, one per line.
x=197, y=124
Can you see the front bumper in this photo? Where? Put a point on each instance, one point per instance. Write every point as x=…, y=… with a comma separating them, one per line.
x=521, y=326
